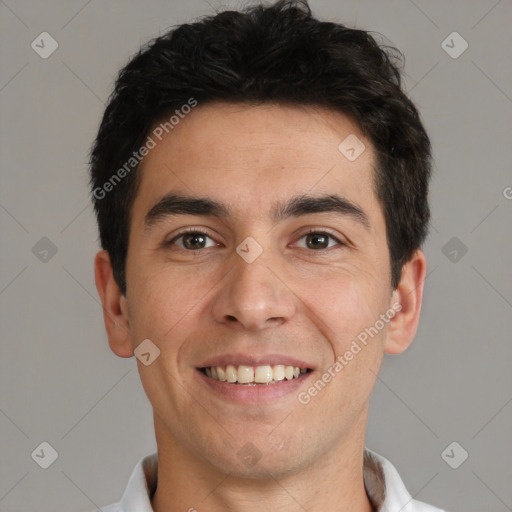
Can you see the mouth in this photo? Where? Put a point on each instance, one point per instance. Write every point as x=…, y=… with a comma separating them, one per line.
x=243, y=375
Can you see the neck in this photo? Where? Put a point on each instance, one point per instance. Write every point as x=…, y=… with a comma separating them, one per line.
x=334, y=482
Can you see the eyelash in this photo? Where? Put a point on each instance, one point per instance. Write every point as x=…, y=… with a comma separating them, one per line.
x=309, y=231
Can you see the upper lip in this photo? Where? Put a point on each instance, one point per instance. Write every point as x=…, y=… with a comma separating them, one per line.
x=255, y=360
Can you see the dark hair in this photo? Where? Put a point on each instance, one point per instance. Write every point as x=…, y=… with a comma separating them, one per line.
x=266, y=54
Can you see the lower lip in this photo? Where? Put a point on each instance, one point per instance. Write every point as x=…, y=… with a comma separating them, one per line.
x=258, y=393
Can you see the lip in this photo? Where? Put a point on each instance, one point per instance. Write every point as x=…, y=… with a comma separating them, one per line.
x=255, y=360
x=259, y=393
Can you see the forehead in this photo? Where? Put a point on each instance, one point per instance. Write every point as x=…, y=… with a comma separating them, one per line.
x=252, y=156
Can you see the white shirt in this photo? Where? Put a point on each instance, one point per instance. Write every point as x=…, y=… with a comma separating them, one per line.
x=384, y=487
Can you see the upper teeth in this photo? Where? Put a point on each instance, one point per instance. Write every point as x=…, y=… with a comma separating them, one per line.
x=254, y=374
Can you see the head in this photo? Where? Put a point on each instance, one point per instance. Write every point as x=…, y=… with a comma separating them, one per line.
x=246, y=113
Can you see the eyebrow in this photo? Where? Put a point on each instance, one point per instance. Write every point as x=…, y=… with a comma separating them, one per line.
x=172, y=205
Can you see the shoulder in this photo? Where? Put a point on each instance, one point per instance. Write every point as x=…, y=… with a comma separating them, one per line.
x=114, y=507
x=397, y=498
x=139, y=489
x=419, y=506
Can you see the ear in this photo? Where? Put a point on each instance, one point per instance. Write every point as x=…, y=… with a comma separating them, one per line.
x=409, y=294
x=115, y=307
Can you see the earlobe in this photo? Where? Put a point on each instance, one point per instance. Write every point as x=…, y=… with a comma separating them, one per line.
x=115, y=310
x=409, y=294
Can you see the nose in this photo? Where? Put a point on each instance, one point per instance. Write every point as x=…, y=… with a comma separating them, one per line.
x=254, y=296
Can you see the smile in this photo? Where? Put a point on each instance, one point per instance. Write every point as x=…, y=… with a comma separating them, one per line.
x=254, y=375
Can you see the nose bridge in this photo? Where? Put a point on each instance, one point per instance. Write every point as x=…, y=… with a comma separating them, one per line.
x=253, y=294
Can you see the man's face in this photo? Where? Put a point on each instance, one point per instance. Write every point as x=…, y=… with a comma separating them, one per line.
x=210, y=299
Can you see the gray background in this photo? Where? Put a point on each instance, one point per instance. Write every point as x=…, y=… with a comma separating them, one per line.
x=60, y=383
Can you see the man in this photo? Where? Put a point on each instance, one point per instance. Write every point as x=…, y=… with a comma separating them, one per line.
x=260, y=182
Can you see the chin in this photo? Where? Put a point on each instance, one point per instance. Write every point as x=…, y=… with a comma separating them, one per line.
x=249, y=461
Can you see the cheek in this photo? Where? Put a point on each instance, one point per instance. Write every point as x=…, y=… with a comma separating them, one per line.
x=345, y=305
x=165, y=301
x=157, y=300
x=348, y=315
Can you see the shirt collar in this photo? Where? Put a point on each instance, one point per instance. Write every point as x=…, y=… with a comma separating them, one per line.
x=385, y=489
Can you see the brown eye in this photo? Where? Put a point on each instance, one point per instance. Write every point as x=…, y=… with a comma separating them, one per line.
x=319, y=240
x=193, y=240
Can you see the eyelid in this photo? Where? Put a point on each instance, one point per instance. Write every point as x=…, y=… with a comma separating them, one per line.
x=205, y=231
x=189, y=229
x=326, y=231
